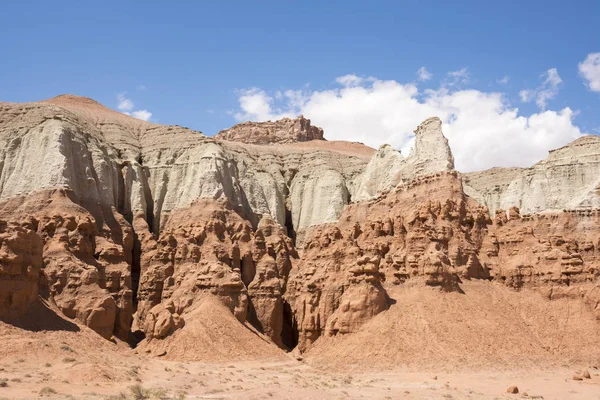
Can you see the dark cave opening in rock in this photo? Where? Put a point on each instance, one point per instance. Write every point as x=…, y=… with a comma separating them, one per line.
x=289, y=224
x=289, y=331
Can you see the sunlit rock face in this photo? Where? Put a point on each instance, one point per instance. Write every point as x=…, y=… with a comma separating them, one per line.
x=567, y=179
x=387, y=168
x=142, y=231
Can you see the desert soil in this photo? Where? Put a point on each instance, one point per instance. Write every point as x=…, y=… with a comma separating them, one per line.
x=78, y=364
x=286, y=380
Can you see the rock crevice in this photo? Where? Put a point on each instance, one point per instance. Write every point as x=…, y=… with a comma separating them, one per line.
x=133, y=228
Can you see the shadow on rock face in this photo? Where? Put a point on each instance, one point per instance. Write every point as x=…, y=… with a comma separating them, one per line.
x=41, y=317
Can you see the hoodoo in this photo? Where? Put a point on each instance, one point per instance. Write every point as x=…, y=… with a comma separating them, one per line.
x=268, y=238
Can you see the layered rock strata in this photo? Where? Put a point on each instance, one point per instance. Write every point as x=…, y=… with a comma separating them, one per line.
x=208, y=249
x=286, y=130
x=567, y=179
x=387, y=168
x=422, y=232
x=138, y=230
x=79, y=262
x=557, y=253
x=70, y=159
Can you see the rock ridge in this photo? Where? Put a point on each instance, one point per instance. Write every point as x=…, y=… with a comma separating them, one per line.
x=387, y=168
x=566, y=179
x=286, y=130
x=161, y=236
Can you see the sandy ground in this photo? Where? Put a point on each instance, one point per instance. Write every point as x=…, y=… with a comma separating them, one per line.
x=538, y=350
x=289, y=380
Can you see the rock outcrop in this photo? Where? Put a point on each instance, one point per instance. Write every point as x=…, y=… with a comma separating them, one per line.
x=161, y=236
x=567, y=179
x=20, y=266
x=126, y=177
x=557, y=253
x=286, y=130
x=430, y=154
x=86, y=262
x=420, y=232
x=208, y=249
x=112, y=160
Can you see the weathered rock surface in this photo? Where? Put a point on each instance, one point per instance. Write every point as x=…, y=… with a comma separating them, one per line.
x=557, y=253
x=270, y=235
x=567, y=179
x=387, y=168
x=208, y=249
x=20, y=266
x=421, y=232
x=115, y=171
x=429, y=232
x=117, y=161
x=286, y=130
x=86, y=261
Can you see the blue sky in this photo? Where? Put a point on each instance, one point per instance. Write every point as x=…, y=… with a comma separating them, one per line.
x=191, y=63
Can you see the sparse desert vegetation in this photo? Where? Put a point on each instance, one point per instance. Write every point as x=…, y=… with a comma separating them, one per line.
x=141, y=261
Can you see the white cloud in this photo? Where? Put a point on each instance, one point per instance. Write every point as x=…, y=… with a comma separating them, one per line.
x=547, y=90
x=124, y=104
x=349, y=80
x=423, y=74
x=256, y=105
x=482, y=128
x=141, y=87
x=144, y=115
x=526, y=95
x=590, y=71
x=552, y=77
x=504, y=80
x=460, y=77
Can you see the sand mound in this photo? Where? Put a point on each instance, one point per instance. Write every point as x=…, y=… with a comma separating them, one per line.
x=44, y=344
x=488, y=327
x=212, y=334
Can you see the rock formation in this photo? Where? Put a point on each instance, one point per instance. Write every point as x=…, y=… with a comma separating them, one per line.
x=285, y=130
x=163, y=236
x=21, y=263
x=567, y=179
x=420, y=232
x=127, y=178
x=86, y=262
x=387, y=168
x=562, y=257
x=208, y=249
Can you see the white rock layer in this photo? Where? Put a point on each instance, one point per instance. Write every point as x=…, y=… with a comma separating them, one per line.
x=568, y=179
x=158, y=169
x=431, y=153
x=111, y=160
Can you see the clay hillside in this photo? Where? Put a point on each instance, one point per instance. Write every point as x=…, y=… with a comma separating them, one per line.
x=130, y=242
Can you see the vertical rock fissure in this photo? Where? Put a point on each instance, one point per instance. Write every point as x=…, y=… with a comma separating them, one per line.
x=148, y=198
x=121, y=193
x=289, y=331
x=1, y=171
x=154, y=223
x=136, y=256
x=289, y=224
